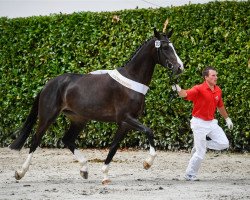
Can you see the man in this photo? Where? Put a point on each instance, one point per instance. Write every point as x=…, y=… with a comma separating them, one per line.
x=206, y=97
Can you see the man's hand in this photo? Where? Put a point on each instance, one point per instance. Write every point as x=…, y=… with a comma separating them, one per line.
x=176, y=88
x=229, y=123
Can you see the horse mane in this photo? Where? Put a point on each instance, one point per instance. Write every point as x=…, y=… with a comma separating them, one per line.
x=133, y=55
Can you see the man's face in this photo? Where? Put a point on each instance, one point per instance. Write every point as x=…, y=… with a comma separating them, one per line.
x=211, y=79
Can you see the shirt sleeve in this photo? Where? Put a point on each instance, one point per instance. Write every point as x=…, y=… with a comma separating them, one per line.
x=220, y=102
x=192, y=93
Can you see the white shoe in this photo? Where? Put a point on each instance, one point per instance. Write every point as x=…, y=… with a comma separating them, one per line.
x=191, y=177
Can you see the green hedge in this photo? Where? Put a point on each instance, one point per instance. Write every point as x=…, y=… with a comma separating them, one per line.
x=36, y=49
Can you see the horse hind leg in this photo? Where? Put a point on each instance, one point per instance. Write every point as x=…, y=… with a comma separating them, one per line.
x=69, y=140
x=43, y=125
x=35, y=142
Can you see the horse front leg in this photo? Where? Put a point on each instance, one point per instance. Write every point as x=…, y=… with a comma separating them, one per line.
x=152, y=153
x=136, y=125
x=121, y=132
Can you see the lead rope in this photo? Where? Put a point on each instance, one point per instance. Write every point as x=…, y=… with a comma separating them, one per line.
x=173, y=81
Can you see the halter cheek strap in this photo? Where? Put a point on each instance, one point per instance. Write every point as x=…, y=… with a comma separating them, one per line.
x=133, y=85
x=157, y=46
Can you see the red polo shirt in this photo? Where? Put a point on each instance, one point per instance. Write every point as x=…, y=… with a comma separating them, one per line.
x=205, y=101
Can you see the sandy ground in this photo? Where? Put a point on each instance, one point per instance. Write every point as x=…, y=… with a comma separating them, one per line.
x=54, y=174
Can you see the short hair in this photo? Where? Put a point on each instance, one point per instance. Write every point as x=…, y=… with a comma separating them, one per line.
x=205, y=72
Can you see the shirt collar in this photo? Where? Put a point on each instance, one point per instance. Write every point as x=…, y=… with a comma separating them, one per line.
x=208, y=88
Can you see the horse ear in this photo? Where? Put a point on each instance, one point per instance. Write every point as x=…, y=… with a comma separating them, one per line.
x=157, y=34
x=169, y=33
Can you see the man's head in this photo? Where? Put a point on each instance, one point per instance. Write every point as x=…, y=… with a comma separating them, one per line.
x=210, y=75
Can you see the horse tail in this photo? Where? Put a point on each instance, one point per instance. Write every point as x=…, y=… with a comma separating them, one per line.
x=18, y=143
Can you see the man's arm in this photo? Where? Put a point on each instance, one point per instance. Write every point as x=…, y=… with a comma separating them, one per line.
x=223, y=113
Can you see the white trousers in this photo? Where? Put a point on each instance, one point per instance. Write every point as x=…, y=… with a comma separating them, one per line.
x=201, y=129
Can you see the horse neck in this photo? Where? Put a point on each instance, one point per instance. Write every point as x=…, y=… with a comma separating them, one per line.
x=141, y=67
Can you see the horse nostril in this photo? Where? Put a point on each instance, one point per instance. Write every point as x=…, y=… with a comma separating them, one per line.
x=180, y=70
x=181, y=67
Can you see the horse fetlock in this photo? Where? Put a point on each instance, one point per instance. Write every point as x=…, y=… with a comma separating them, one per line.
x=80, y=157
x=152, y=151
x=84, y=168
x=106, y=180
x=105, y=168
x=83, y=163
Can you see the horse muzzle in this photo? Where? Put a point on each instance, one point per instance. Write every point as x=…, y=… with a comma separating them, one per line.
x=177, y=69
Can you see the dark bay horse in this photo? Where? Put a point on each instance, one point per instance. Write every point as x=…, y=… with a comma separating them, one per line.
x=111, y=96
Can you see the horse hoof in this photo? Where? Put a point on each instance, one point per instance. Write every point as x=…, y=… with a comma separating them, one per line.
x=146, y=165
x=84, y=174
x=106, y=181
x=17, y=176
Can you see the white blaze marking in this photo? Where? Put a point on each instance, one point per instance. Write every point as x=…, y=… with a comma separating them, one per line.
x=178, y=59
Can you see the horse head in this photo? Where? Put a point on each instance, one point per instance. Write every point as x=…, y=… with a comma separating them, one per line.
x=166, y=53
